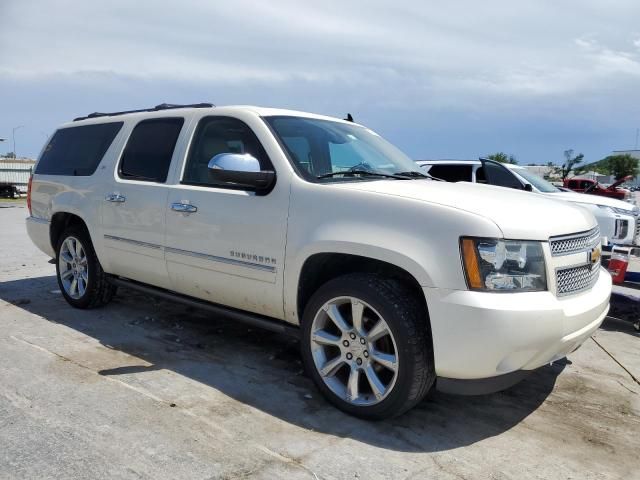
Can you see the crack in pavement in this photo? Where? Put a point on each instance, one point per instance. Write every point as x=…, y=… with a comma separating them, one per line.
x=616, y=360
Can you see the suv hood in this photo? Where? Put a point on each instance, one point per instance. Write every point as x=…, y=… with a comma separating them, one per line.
x=520, y=215
x=591, y=199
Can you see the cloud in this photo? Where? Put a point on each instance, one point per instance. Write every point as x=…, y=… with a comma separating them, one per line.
x=459, y=62
x=491, y=48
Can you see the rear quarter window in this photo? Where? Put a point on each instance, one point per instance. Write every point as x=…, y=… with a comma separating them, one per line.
x=78, y=150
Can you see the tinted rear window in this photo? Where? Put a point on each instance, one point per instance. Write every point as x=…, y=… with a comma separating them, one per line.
x=452, y=173
x=148, y=153
x=77, y=150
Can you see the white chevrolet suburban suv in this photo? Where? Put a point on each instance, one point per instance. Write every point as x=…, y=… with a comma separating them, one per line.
x=318, y=227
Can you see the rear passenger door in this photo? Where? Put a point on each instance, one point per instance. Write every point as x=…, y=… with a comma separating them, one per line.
x=134, y=204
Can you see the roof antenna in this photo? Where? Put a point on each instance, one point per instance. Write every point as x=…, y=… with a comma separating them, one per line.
x=349, y=118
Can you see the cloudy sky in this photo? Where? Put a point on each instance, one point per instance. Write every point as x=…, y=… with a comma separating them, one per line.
x=453, y=79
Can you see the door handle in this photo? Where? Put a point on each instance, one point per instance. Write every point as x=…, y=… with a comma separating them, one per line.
x=184, y=207
x=115, y=197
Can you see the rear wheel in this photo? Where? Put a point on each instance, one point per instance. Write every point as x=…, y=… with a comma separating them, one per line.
x=81, y=279
x=366, y=345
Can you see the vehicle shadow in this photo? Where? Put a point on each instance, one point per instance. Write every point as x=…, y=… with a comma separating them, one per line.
x=624, y=312
x=614, y=324
x=263, y=370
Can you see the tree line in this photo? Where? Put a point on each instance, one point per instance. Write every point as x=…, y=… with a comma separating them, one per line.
x=620, y=166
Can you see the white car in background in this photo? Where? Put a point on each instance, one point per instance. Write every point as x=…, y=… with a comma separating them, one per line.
x=618, y=220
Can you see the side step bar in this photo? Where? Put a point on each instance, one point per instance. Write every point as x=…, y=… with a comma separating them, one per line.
x=253, y=319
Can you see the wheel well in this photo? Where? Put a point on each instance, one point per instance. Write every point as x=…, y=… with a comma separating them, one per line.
x=59, y=223
x=322, y=267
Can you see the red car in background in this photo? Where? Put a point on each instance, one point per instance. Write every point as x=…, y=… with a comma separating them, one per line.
x=586, y=185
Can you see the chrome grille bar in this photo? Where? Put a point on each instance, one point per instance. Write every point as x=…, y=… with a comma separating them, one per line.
x=576, y=279
x=574, y=243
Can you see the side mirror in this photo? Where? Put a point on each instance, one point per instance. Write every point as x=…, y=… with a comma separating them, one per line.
x=241, y=170
x=528, y=187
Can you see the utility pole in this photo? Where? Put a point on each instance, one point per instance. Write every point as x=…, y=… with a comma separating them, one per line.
x=15, y=155
x=637, y=132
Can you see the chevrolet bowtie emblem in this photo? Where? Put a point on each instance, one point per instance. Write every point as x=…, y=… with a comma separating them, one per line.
x=594, y=255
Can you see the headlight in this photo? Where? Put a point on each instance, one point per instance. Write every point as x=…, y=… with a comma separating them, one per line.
x=607, y=208
x=497, y=265
x=623, y=211
x=620, y=211
x=593, y=205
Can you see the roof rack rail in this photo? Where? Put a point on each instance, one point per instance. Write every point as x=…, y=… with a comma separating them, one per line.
x=157, y=108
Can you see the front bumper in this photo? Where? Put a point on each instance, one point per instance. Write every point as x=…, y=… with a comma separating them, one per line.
x=481, y=335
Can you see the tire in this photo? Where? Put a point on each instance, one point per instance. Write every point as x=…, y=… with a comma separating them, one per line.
x=401, y=359
x=86, y=271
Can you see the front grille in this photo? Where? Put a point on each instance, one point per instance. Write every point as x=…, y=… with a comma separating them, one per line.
x=636, y=236
x=577, y=242
x=575, y=279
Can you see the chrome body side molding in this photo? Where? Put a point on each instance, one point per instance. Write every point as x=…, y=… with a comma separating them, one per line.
x=214, y=258
x=204, y=256
x=134, y=242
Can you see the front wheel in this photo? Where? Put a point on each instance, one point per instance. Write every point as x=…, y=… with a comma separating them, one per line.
x=81, y=279
x=366, y=344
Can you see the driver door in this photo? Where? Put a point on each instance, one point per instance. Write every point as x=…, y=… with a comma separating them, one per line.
x=224, y=243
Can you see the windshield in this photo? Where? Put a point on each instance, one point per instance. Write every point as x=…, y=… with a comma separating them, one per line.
x=323, y=148
x=538, y=182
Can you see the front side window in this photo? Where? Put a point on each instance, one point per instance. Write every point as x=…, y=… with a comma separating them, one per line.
x=77, y=150
x=215, y=135
x=148, y=153
x=500, y=176
x=324, y=150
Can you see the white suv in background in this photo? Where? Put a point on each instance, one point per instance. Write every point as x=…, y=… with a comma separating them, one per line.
x=318, y=227
x=618, y=220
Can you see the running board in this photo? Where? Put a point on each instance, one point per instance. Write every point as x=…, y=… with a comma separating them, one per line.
x=253, y=319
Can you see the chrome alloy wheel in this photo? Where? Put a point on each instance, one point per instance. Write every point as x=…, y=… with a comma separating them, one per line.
x=72, y=264
x=354, y=351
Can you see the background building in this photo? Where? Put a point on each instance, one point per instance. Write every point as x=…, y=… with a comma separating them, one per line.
x=16, y=171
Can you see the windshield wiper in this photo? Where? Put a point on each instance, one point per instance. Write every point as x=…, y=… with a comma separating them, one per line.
x=365, y=172
x=414, y=174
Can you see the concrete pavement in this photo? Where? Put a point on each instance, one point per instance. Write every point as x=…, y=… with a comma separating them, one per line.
x=148, y=389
